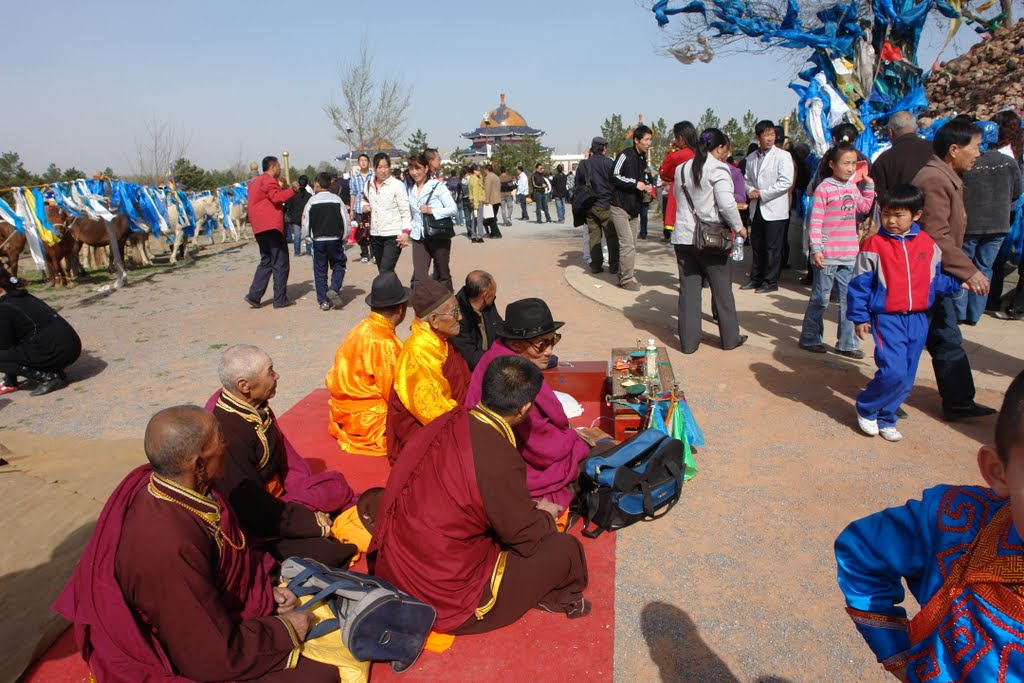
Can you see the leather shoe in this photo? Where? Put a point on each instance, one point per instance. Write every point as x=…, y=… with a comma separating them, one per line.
x=814, y=348
x=614, y=270
x=750, y=285
x=764, y=289
x=964, y=412
x=856, y=354
x=741, y=342
x=251, y=302
x=595, y=271
x=286, y=304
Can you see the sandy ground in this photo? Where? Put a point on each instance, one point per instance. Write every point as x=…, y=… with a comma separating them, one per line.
x=737, y=584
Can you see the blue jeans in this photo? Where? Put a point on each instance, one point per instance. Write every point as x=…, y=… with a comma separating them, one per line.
x=982, y=250
x=560, y=209
x=814, y=328
x=458, y=213
x=525, y=216
x=293, y=233
x=540, y=200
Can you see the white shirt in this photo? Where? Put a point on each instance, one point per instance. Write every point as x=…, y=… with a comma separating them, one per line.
x=389, y=207
x=523, y=184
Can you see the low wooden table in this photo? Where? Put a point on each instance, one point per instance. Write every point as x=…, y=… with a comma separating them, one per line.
x=587, y=382
x=626, y=421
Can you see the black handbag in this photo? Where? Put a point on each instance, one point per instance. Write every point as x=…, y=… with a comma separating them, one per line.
x=437, y=228
x=583, y=197
x=716, y=238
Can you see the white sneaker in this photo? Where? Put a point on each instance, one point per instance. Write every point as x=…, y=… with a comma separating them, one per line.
x=890, y=434
x=869, y=427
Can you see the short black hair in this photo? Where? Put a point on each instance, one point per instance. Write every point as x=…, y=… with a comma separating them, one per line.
x=763, y=125
x=364, y=155
x=1010, y=422
x=959, y=133
x=845, y=132
x=379, y=157
x=323, y=179
x=640, y=131
x=268, y=162
x=903, y=196
x=303, y=180
x=520, y=168
x=509, y=384
x=687, y=131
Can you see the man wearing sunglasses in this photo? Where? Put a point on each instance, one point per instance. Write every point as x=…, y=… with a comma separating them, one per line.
x=430, y=377
x=549, y=445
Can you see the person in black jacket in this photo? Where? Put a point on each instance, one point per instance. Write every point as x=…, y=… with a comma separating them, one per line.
x=559, y=192
x=324, y=221
x=293, y=216
x=596, y=171
x=478, y=327
x=35, y=342
x=627, y=196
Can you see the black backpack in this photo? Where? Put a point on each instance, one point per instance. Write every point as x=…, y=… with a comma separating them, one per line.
x=639, y=480
x=583, y=197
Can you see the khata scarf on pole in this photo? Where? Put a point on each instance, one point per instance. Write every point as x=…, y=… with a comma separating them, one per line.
x=28, y=228
x=121, y=201
x=36, y=202
x=11, y=216
x=61, y=195
x=224, y=200
x=91, y=203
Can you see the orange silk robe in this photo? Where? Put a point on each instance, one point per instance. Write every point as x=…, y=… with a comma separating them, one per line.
x=360, y=383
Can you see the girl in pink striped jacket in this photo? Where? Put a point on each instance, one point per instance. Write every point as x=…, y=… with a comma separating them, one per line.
x=834, y=247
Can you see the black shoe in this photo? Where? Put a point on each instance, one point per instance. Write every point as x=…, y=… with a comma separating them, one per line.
x=902, y=414
x=614, y=270
x=741, y=342
x=806, y=280
x=765, y=289
x=286, y=304
x=641, y=237
x=326, y=306
x=750, y=285
x=597, y=270
x=856, y=354
x=334, y=298
x=972, y=409
x=47, y=381
x=814, y=348
x=251, y=302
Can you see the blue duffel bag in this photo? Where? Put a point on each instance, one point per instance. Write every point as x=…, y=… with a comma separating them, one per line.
x=639, y=480
x=378, y=622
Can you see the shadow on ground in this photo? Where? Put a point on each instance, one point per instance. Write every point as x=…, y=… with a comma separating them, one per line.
x=681, y=654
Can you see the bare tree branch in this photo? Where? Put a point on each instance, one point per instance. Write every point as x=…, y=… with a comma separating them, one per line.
x=160, y=146
x=372, y=110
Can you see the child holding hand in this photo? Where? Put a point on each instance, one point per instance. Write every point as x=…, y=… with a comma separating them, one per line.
x=896, y=280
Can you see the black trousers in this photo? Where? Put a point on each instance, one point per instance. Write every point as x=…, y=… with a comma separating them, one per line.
x=273, y=261
x=386, y=252
x=694, y=266
x=328, y=254
x=945, y=344
x=766, y=239
x=433, y=250
x=491, y=224
x=53, y=348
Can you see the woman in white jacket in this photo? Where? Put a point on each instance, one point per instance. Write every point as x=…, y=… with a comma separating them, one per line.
x=428, y=196
x=386, y=200
x=709, y=183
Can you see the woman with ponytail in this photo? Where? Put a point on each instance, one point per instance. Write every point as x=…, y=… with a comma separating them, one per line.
x=708, y=181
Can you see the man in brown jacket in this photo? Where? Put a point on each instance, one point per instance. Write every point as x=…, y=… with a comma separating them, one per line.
x=492, y=196
x=956, y=146
x=908, y=154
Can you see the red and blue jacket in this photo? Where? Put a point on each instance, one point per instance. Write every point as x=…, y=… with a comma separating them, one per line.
x=897, y=274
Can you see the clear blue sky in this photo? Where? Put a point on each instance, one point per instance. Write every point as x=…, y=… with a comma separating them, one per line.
x=255, y=76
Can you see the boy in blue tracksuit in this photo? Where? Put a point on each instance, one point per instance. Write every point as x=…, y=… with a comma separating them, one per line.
x=896, y=280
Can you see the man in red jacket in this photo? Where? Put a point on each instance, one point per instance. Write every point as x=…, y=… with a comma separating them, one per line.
x=266, y=215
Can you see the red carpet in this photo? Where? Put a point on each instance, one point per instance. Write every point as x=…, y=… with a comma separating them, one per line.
x=539, y=647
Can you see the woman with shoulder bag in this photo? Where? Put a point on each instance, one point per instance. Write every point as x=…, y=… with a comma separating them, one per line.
x=705, y=214
x=387, y=202
x=432, y=208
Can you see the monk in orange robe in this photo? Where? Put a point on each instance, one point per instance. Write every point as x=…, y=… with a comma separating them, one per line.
x=360, y=381
x=431, y=377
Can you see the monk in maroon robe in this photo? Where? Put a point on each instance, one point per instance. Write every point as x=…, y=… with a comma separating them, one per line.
x=281, y=505
x=169, y=588
x=457, y=528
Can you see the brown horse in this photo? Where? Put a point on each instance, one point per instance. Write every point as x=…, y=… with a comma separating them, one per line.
x=99, y=233
x=11, y=244
x=63, y=250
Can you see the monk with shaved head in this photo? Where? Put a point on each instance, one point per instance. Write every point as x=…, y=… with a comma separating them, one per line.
x=170, y=584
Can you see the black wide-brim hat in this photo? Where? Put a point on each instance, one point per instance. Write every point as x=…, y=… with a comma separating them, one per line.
x=387, y=291
x=526, y=319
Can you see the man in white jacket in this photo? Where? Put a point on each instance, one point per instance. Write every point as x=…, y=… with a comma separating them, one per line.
x=769, y=177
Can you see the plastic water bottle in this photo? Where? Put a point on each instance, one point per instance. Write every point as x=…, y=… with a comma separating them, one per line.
x=651, y=360
x=737, y=250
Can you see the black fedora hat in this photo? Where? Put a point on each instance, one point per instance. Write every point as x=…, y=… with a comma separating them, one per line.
x=526, y=319
x=386, y=291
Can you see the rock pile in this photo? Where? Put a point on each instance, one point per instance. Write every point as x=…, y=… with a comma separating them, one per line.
x=985, y=80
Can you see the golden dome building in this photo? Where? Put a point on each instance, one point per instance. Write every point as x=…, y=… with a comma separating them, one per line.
x=501, y=124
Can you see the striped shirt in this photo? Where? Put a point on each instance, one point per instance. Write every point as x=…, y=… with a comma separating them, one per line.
x=833, y=223
x=356, y=186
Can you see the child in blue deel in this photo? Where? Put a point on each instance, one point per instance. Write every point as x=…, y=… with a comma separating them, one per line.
x=896, y=279
x=959, y=550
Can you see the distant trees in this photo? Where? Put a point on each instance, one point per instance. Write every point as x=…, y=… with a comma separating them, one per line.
x=417, y=142
x=527, y=154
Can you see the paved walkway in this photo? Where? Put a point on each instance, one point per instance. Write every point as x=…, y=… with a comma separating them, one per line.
x=995, y=347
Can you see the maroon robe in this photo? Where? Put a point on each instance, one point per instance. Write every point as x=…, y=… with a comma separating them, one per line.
x=157, y=596
x=454, y=501
x=402, y=425
x=260, y=460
